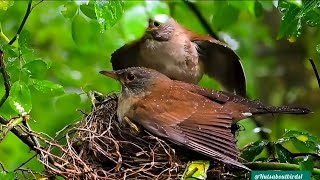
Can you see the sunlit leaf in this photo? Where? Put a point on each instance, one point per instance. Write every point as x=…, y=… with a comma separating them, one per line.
x=80, y=30
x=254, y=149
x=36, y=69
x=108, y=12
x=134, y=23
x=20, y=98
x=48, y=87
x=156, y=8
x=284, y=156
x=70, y=9
x=306, y=164
x=302, y=138
x=196, y=170
x=5, y=4
x=88, y=10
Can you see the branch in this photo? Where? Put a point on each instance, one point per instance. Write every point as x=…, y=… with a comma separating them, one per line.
x=202, y=20
x=315, y=71
x=24, y=139
x=6, y=81
x=22, y=23
x=276, y=166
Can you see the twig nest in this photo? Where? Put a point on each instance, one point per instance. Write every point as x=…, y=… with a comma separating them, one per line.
x=99, y=147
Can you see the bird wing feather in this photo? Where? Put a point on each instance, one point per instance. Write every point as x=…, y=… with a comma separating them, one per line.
x=222, y=63
x=202, y=125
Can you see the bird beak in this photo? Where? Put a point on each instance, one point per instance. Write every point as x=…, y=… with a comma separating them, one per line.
x=148, y=34
x=111, y=74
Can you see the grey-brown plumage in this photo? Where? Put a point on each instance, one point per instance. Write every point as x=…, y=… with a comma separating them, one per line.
x=183, y=55
x=186, y=114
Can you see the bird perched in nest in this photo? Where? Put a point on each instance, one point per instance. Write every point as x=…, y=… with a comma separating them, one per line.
x=183, y=55
x=186, y=114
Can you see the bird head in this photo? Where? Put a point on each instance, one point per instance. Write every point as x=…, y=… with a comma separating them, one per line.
x=135, y=80
x=160, y=30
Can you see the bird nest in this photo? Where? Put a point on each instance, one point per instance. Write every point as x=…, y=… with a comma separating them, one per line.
x=99, y=147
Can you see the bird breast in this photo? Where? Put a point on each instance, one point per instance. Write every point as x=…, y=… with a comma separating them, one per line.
x=178, y=59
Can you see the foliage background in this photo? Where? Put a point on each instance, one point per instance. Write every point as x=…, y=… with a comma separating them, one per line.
x=69, y=42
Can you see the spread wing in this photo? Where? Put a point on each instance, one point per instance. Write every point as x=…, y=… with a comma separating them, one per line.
x=221, y=63
x=201, y=125
x=126, y=56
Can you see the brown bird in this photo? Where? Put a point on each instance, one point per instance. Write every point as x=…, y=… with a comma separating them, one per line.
x=183, y=55
x=186, y=114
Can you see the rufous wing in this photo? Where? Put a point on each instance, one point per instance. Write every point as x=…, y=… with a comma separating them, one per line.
x=194, y=122
x=221, y=63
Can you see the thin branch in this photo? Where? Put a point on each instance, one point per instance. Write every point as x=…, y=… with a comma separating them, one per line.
x=6, y=78
x=315, y=71
x=24, y=139
x=276, y=166
x=202, y=20
x=22, y=23
x=24, y=163
x=2, y=166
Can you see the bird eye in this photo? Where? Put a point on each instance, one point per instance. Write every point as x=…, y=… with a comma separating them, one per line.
x=156, y=24
x=130, y=77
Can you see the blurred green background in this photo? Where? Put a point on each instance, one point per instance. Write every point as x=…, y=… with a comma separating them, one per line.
x=75, y=39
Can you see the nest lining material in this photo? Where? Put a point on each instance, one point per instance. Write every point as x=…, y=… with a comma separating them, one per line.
x=99, y=147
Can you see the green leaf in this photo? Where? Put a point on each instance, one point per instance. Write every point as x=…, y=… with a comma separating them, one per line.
x=80, y=30
x=70, y=9
x=318, y=48
x=134, y=23
x=196, y=170
x=224, y=15
x=24, y=43
x=5, y=4
x=291, y=133
x=7, y=175
x=88, y=10
x=307, y=164
x=290, y=25
x=11, y=55
x=294, y=16
x=284, y=156
x=156, y=8
x=108, y=12
x=254, y=149
x=20, y=98
x=24, y=39
x=36, y=69
x=258, y=9
x=48, y=87
x=313, y=18
x=303, y=141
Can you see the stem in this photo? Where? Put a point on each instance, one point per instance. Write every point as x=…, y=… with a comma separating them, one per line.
x=3, y=35
x=315, y=71
x=6, y=81
x=22, y=23
x=276, y=166
x=202, y=20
